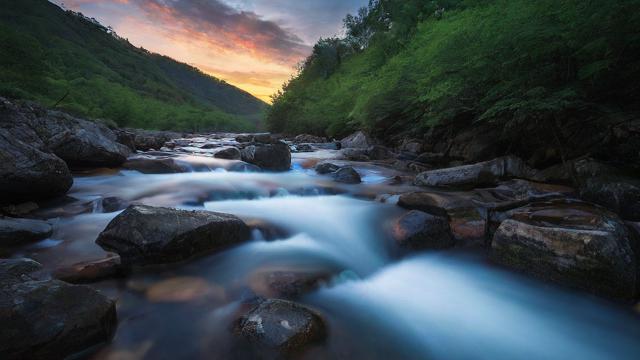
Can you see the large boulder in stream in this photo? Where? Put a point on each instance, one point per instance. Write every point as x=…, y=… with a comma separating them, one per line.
x=27, y=172
x=347, y=175
x=418, y=230
x=21, y=231
x=49, y=319
x=155, y=165
x=272, y=157
x=145, y=235
x=357, y=140
x=278, y=328
x=486, y=173
x=573, y=244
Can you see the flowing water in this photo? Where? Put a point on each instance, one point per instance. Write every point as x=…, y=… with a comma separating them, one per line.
x=379, y=302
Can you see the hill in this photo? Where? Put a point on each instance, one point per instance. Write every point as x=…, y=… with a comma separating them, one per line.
x=407, y=67
x=63, y=58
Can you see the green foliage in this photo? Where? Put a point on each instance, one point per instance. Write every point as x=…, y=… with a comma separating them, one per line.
x=507, y=61
x=48, y=53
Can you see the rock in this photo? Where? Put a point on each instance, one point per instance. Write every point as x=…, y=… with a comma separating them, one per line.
x=27, y=173
x=475, y=175
x=354, y=154
x=126, y=138
x=228, y=153
x=326, y=168
x=21, y=231
x=280, y=326
x=267, y=138
x=272, y=157
x=300, y=148
x=378, y=152
x=17, y=210
x=618, y=193
x=418, y=230
x=113, y=204
x=470, y=212
x=155, y=165
x=145, y=235
x=347, y=175
x=91, y=271
x=437, y=160
x=83, y=147
x=573, y=244
x=309, y=139
x=49, y=319
x=148, y=139
x=286, y=284
x=357, y=140
x=412, y=146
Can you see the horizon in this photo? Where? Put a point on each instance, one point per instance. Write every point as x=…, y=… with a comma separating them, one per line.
x=251, y=44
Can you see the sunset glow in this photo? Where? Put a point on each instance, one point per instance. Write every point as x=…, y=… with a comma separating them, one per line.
x=252, y=44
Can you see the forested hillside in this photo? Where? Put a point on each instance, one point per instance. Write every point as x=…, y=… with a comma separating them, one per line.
x=62, y=58
x=404, y=66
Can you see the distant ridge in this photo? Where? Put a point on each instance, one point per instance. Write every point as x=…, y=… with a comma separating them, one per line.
x=63, y=58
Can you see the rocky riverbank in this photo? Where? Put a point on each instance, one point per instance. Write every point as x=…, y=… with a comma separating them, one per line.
x=573, y=223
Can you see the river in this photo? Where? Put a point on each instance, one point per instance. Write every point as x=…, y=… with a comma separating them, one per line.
x=379, y=303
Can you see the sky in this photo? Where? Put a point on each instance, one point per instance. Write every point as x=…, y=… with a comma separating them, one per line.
x=252, y=44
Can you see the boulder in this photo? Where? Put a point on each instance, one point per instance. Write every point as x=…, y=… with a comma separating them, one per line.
x=21, y=231
x=272, y=157
x=309, y=139
x=28, y=173
x=412, y=146
x=300, y=148
x=378, y=152
x=155, y=165
x=91, y=271
x=347, y=175
x=354, y=154
x=84, y=147
x=279, y=327
x=49, y=319
x=145, y=235
x=326, y=168
x=149, y=139
x=573, y=244
x=618, y=193
x=126, y=138
x=228, y=153
x=476, y=175
x=418, y=230
x=357, y=140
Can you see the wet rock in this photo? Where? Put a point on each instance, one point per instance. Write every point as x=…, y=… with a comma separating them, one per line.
x=286, y=284
x=77, y=141
x=309, y=139
x=113, y=204
x=228, y=153
x=573, y=244
x=300, y=148
x=149, y=139
x=268, y=231
x=49, y=319
x=28, y=173
x=272, y=157
x=145, y=235
x=326, y=168
x=618, y=193
x=412, y=146
x=476, y=175
x=21, y=231
x=354, y=154
x=347, y=175
x=418, y=230
x=18, y=210
x=378, y=152
x=91, y=271
x=153, y=165
x=126, y=138
x=357, y=140
x=280, y=327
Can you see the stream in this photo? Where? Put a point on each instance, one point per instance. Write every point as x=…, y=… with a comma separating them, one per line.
x=379, y=302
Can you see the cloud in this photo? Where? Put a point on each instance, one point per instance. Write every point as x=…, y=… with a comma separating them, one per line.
x=227, y=27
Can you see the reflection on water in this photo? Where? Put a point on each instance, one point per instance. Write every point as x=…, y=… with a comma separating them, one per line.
x=440, y=306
